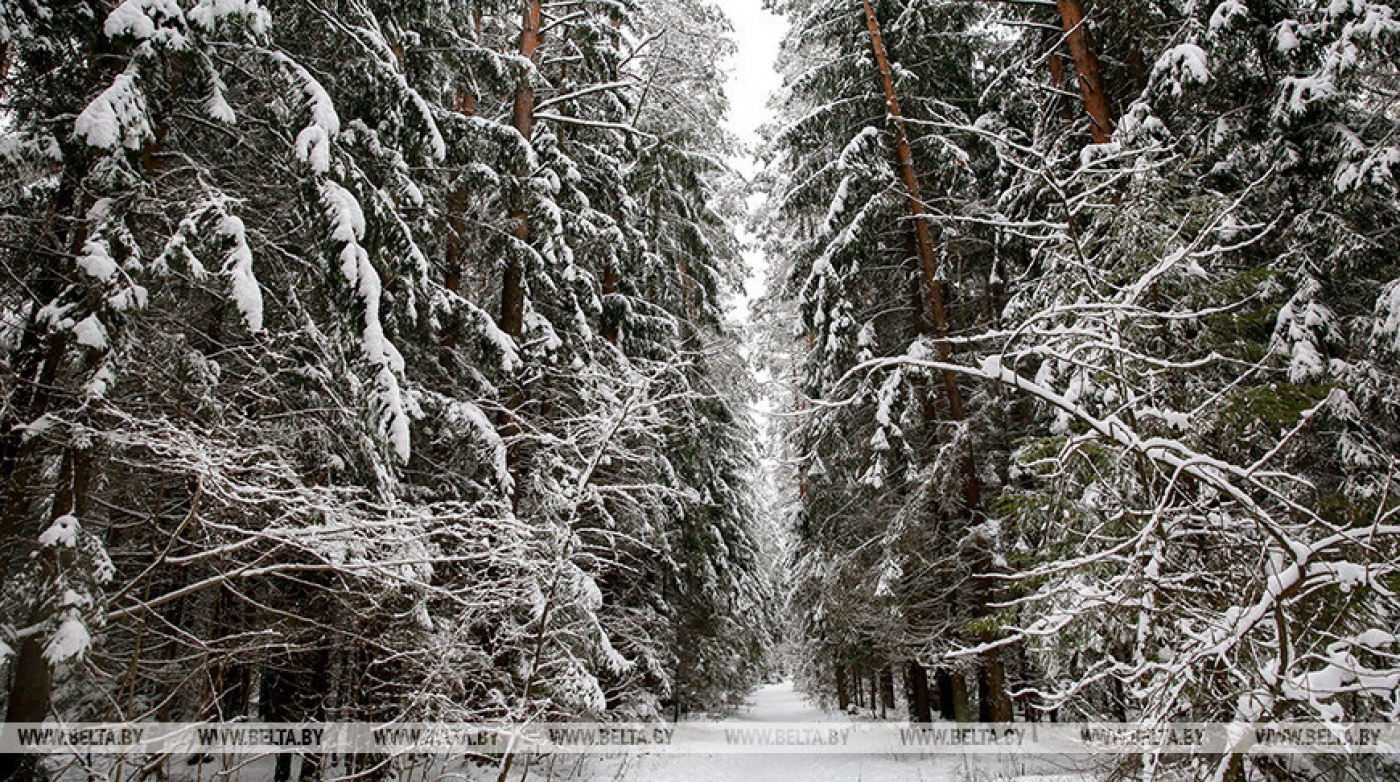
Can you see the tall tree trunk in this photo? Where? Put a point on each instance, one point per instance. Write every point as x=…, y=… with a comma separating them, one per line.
x=842, y=698
x=961, y=704
x=920, y=707
x=512, y=314
x=934, y=303
x=991, y=677
x=886, y=684
x=886, y=690
x=39, y=358
x=31, y=690
x=1086, y=62
x=512, y=317
x=952, y=696
x=31, y=687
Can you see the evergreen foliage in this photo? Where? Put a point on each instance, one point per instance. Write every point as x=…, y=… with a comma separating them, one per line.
x=270, y=448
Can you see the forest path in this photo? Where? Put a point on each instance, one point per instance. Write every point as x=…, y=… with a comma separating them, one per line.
x=782, y=703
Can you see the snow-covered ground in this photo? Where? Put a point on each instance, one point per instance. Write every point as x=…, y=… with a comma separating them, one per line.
x=773, y=705
x=779, y=704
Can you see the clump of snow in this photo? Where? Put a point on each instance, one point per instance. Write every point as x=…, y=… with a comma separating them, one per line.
x=1346, y=575
x=216, y=105
x=130, y=297
x=37, y=427
x=1386, y=331
x=1178, y=421
x=5, y=652
x=117, y=116
x=347, y=218
x=1303, y=92
x=875, y=476
x=348, y=227
x=1093, y=153
x=1302, y=324
x=1138, y=122
x=589, y=593
x=1376, y=165
x=246, y=293
x=91, y=333
x=209, y=13
x=425, y=114
x=1183, y=64
x=70, y=640
x=865, y=340
x=314, y=147
x=313, y=144
x=72, y=598
x=142, y=20
x=880, y=442
x=96, y=388
x=1375, y=639
x=537, y=324
x=1226, y=13
x=1286, y=37
x=838, y=203
x=97, y=260
x=63, y=532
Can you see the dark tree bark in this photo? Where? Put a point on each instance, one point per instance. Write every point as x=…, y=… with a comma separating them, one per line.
x=953, y=703
x=843, y=700
x=886, y=690
x=612, y=324
x=920, y=706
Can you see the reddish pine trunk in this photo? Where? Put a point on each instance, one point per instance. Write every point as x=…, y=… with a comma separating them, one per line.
x=1091, y=83
x=998, y=703
x=512, y=318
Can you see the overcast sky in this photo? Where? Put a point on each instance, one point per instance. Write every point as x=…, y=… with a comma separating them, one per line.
x=751, y=80
x=751, y=74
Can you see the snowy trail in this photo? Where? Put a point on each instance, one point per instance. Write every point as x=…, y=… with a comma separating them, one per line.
x=781, y=703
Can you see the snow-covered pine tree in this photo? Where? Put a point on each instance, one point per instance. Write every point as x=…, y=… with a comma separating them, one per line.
x=266, y=414
x=877, y=202
x=1205, y=329
x=1221, y=286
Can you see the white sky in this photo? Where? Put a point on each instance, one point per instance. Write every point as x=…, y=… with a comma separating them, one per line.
x=751, y=80
x=751, y=74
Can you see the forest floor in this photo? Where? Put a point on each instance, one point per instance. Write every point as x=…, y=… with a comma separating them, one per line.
x=774, y=707
x=782, y=704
